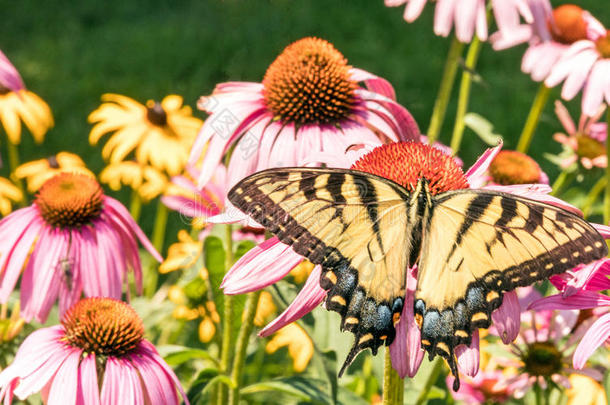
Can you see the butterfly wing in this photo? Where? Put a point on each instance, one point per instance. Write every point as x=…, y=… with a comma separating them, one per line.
x=352, y=223
x=478, y=244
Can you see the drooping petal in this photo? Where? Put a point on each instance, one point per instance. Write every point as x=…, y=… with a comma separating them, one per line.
x=64, y=384
x=406, y=351
x=580, y=300
x=476, y=173
x=468, y=356
x=261, y=266
x=594, y=338
x=310, y=296
x=507, y=318
x=157, y=384
x=88, y=388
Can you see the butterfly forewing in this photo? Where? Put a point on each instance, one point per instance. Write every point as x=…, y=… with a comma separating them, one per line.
x=479, y=244
x=353, y=224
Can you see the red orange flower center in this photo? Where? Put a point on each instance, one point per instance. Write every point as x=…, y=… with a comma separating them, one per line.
x=406, y=162
x=309, y=83
x=155, y=113
x=512, y=167
x=588, y=147
x=70, y=200
x=542, y=359
x=603, y=45
x=568, y=26
x=103, y=326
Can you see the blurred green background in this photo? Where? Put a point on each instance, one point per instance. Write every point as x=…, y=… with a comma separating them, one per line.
x=70, y=53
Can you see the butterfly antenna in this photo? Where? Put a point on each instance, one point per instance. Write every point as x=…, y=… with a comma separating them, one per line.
x=350, y=358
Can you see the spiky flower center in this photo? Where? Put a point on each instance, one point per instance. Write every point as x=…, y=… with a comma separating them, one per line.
x=309, y=83
x=406, y=162
x=512, y=167
x=603, y=45
x=155, y=113
x=103, y=326
x=589, y=147
x=70, y=200
x=568, y=25
x=542, y=359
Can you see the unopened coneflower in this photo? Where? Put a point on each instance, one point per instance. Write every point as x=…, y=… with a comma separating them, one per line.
x=585, y=143
x=159, y=133
x=17, y=105
x=96, y=355
x=36, y=172
x=310, y=103
x=72, y=240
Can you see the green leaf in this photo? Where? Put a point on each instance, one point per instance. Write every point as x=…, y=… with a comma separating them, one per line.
x=483, y=128
x=175, y=355
x=243, y=247
x=301, y=388
x=206, y=380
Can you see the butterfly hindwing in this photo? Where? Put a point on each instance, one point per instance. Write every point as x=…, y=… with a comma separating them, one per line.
x=479, y=244
x=351, y=223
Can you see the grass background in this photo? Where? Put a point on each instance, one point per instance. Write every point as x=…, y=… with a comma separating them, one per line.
x=71, y=53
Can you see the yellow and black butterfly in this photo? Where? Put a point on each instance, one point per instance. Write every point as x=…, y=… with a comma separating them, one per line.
x=470, y=246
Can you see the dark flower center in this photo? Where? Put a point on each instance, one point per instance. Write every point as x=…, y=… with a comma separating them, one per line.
x=542, y=359
x=568, y=26
x=4, y=90
x=70, y=200
x=589, y=147
x=309, y=83
x=406, y=162
x=603, y=45
x=52, y=161
x=103, y=326
x=512, y=167
x=155, y=113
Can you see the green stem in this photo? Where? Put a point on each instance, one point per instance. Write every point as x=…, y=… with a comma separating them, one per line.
x=135, y=207
x=158, y=235
x=464, y=97
x=538, y=392
x=436, y=371
x=532, y=118
x=226, y=353
x=393, y=385
x=14, y=162
x=444, y=92
x=607, y=194
x=242, y=345
x=596, y=190
x=564, y=179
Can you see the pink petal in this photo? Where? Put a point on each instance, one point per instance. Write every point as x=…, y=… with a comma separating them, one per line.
x=36, y=379
x=443, y=17
x=406, y=351
x=413, y=9
x=64, y=384
x=9, y=76
x=158, y=385
x=604, y=230
x=594, y=338
x=88, y=388
x=374, y=83
x=468, y=356
x=570, y=60
x=310, y=296
x=564, y=117
x=465, y=19
x=580, y=300
x=121, y=383
x=578, y=75
x=260, y=267
x=584, y=274
x=478, y=170
x=597, y=85
x=507, y=318
x=147, y=349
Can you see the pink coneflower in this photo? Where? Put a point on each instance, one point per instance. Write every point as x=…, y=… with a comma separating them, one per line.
x=586, y=64
x=72, y=240
x=550, y=34
x=483, y=388
x=581, y=289
x=310, y=102
x=468, y=16
x=97, y=355
x=587, y=142
x=540, y=350
x=272, y=260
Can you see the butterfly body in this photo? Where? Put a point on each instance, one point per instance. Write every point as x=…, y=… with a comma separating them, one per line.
x=470, y=246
